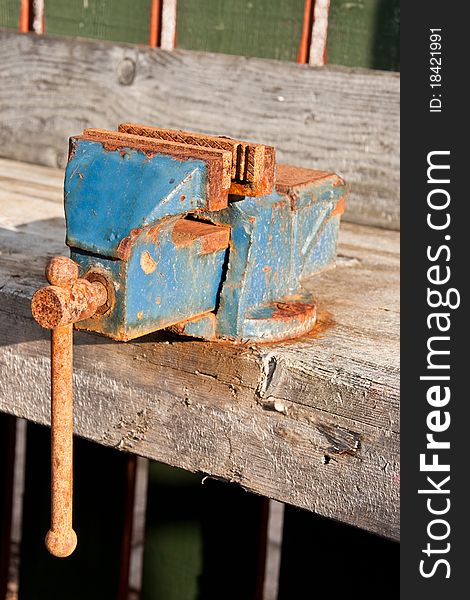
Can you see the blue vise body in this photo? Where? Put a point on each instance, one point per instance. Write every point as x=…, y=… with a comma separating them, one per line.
x=202, y=234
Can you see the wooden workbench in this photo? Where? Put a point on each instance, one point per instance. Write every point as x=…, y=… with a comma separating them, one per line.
x=312, y=422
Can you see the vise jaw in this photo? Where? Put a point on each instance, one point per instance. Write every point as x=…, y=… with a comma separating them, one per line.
x=199, y=233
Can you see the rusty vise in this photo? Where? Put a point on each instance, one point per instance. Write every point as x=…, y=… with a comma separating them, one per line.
x=203, y=234
x=197, y=232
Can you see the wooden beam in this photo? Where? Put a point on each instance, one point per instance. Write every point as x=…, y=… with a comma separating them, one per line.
x=345, y=120
x=23, y=25
x=168, y=31
x=38, y=16
x=306, y=35
x=317, y=54
x=155, y=23
x=312, y=422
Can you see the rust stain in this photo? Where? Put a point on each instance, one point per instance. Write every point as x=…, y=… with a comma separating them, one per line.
x=211, y=237
x=147, y=263
x=218, y=161
x=61, y=539
x=100, y=275
x=324, y=322
x=72, y=148
x=289, y=177
x=23, y=24
x=153, y=232
x=125, y=245
x=293, y=200
x=287, y=310
x=339, y=208
x=306, y=35
x=67, y=300
x=61, y=271
x=250, y=167
x=140, y=315
x=155, y=24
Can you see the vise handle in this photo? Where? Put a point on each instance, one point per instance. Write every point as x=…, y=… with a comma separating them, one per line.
x=67, y=300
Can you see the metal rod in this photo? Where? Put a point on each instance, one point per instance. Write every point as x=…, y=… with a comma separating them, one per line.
x=168, y=25
x=155, y=23
x=306, y=35
x=61, y=539
x=23, y=24
x=318, y=45
x=67, y=300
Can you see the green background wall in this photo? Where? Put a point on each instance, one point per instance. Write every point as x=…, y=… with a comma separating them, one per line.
x=264, y=28
x=362, y=33
x=116, y=20
x=9, y=13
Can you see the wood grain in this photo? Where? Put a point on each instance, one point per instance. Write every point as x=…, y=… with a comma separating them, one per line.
x=312, y=422
x=337, y=119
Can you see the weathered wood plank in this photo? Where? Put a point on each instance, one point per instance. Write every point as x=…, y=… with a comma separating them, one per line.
x=312, y=422
x=346, y=120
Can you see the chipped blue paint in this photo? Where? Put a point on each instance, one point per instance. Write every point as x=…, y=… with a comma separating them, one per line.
x=108, y=193
x=203, y=327
x=275, y=244
x=115, y=271
x=159, y=285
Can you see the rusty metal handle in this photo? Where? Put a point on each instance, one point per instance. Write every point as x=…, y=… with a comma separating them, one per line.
x=61, y=539
x=67, y=300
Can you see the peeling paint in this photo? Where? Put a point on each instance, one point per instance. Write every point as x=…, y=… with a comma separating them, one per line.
x=147, y=263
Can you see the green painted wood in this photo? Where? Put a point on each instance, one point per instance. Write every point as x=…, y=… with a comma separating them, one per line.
x=347, y=561
x=9, y=13
x=364, y=33
x=92, y=571
x=117, y=20
x=203, y=541
x=263, y=28
x=173, y=535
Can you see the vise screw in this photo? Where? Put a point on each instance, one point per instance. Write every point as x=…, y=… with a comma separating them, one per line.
x=170, y=229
